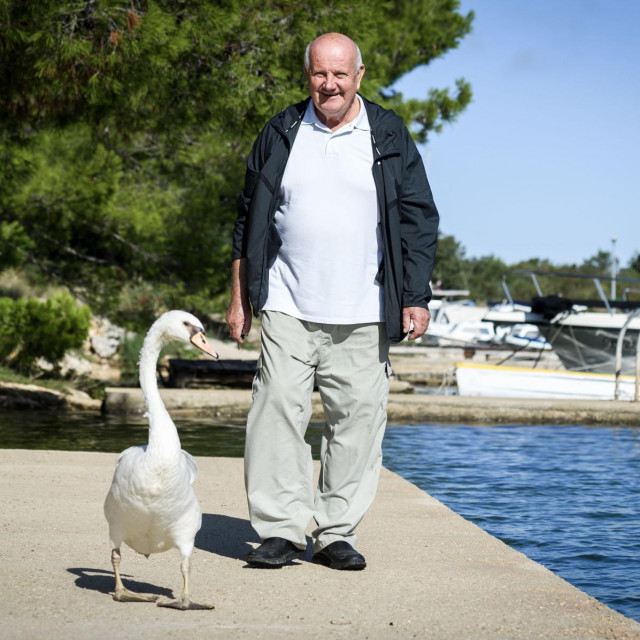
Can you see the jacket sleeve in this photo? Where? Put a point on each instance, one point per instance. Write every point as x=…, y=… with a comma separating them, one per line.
x=418, y=228
x=254, y=164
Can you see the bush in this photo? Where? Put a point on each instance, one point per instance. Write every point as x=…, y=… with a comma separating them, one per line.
x=30, y=329
x=7, y=330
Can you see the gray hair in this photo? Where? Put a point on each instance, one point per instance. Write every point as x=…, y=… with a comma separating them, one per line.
x=307, y=57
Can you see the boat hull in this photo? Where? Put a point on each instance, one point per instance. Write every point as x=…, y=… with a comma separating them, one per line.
x=589, y=349
x=519, y=382
x=584, y=341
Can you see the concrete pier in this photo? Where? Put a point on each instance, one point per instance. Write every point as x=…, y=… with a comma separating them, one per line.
x=414, y=366
x=234, y=404
x=430, y=573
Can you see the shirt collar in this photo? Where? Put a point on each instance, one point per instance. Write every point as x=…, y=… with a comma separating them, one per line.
x=361, y=120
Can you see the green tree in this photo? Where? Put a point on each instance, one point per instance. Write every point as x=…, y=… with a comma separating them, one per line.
x=485, y=278
x=450, y=269
x=126, y=126
x=600, y=263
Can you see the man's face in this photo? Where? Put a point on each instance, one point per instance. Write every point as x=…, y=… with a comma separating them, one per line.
x=333, y=79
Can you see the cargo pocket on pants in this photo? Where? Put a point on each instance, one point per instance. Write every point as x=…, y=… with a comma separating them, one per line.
x=257, y=379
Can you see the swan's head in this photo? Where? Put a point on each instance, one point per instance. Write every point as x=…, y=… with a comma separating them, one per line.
x=181, y=325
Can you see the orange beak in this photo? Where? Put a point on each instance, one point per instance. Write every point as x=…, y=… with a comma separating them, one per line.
x=198, y=340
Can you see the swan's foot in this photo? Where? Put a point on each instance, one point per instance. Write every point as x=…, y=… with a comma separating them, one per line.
x=184, y=604
x=124, y=595
x=121, y=593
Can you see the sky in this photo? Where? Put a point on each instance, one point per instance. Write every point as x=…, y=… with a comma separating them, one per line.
x=545, y=162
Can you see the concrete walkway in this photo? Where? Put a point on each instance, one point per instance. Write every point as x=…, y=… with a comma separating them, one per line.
x=431, y=573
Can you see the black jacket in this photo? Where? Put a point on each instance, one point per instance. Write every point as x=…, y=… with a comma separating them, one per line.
x=409, y=219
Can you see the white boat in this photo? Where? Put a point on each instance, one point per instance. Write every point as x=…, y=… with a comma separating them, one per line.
x=525, y=336
x=457, y=321
x=592, y=345
x=460, y=334
x=520, y=382
x=584, y=339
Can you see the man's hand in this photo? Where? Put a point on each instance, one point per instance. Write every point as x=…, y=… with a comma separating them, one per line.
x=420, y=317
x=238, y=320
x=239, y=313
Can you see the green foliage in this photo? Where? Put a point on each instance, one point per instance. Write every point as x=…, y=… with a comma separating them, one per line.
x=129, y=354
x=10, y=375
x=485, y=278
x=522, y=287
x=30, y=329
x=7, y=328
x=126, y=126
x=14, y=244
x=432, y=114
x=450, y=269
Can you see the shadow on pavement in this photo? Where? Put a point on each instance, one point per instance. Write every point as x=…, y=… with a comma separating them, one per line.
x=103, y=581
x=230, y=537
x=226, y=536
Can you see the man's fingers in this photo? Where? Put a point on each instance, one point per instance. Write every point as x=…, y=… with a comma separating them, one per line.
x=415, y=321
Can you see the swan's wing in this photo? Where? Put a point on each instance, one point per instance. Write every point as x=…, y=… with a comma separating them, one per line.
x=131, y=452
x=192, y=467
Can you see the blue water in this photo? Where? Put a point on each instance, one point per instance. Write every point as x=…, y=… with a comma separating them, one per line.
x=566, y=496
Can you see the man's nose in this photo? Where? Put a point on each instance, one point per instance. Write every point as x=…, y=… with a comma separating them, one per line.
x=329, y=81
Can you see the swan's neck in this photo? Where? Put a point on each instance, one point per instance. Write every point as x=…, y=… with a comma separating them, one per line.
x=163, y=435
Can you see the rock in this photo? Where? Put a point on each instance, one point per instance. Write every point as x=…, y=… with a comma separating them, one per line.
x=76, y=399
x=72, y=365
x=104, y=372
x=14, y=395
x=42, y=364
x=105, y=337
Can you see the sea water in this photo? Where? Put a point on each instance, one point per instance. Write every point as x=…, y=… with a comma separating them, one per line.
x=566, y=496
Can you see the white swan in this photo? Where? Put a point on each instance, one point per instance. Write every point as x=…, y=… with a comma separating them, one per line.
x=151, y=504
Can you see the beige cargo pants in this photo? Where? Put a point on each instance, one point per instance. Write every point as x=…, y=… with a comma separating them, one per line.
x=349, y=365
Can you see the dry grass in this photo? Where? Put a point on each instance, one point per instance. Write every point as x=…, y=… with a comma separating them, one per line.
x=15, y=284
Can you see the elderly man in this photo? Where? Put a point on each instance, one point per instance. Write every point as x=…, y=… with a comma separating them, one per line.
x=334, y=246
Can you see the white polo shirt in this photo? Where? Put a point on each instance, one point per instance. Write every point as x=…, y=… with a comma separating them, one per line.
x=328, y=220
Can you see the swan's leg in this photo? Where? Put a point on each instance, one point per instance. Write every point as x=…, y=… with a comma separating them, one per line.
x=121, y=593
x=185, y=602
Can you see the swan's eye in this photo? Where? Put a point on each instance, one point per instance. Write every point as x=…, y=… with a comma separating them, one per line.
x=186, y=323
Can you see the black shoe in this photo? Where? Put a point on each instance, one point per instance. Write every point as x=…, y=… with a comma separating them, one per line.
x=273, y=553
x=340, y=555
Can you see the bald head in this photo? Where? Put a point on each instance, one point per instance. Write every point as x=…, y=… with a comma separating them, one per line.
x=333, y=42
x=334, y=69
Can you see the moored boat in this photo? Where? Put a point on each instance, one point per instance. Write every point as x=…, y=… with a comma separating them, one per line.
x=521, y=382
x=600, y=349
x=584, y=338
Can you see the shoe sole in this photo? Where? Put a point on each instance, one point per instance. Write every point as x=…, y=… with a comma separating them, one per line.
x=272, y=563
x=350, y=565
